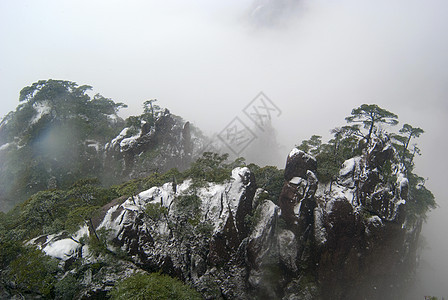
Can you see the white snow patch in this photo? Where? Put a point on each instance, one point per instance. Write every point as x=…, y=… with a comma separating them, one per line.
x=83, y=231
x=400, y=202
x=267, y=211
x=311, y=177
x=218, y=202
x=110, y=223
x=329, y=205
x=287, y=243
x=349, y=166
x=297, y=208
x=239, y=173
x=294, y=151
x=375, y=221
x=402, y=181
x=93, y=144
x=214, y=204
x=4, y=146
x=42, y=108
x=305, y=155
x=113, y=118
x=119, y=137
x=296, y=180
x=320, y=232
x=62, y=249
x=344, y=192
x=129, y=142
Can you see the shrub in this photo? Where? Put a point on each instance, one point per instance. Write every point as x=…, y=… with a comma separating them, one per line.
x=152, y=286
x=34, y=271
x=67, y=288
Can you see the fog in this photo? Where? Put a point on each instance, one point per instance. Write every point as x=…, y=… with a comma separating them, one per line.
x=207, y=60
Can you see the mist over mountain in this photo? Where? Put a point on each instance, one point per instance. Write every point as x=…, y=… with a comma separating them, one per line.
x=103, y=205
x=59, y=135
x=207, y=60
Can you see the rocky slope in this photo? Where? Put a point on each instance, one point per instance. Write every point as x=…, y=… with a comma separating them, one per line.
x=348, y=240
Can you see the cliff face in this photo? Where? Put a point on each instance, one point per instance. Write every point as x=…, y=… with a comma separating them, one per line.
x=347, y=240
x=365, y=247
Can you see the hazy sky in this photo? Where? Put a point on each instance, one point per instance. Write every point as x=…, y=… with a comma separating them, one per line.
x=205, y=60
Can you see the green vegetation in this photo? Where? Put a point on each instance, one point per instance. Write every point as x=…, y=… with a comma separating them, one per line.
x=211, y=167
x=155, y=211
x=65, y=210
x=33, y=271
x=153, y=286
x=403, y=139
x=270, y=179
x=67, y=288
x=53, y=211
x=421, y=200
x=331, y=155
x=135, y=186
x=371, y=116
x=53, y=135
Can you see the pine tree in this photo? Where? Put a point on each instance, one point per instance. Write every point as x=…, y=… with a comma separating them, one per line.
x=371, y=115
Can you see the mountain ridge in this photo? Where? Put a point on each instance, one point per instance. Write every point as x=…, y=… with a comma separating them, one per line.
x=341, y=221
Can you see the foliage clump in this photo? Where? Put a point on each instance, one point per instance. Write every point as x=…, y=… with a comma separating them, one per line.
x=33, y=271
x=54, y=138
x=270, y=179
x=153, y=286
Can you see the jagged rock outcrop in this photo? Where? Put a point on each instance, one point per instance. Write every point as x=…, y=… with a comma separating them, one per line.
x=362, y=251
x=195, y=233
x=350, y=241
x=145, y=148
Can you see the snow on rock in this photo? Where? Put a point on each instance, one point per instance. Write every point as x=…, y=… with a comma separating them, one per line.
x=305, y=155
x=62, y=249
x=123, y=142
x=113, y=118
x=127, y=143
x=41, y=108
x=340, y=191
x=401, y=202
x=293, y=152
x=320, y=233
x=298, y=163
x=218, y=202
x=375, y=221
x=267, y=211
x=349, y=166
x=351, y=171
x=334, y=202
x=115, y=223
x=4, y=146
x=288, y=247
x=93, y=144
x=59, y=246
x=216, y=207
x=261, y=245
x=119, y=137
x=402, y=181
x=296, y=180
x=403, y=186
